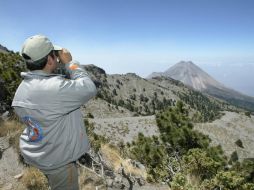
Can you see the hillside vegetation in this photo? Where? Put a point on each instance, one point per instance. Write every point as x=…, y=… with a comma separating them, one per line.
x=183, y=157
x=147, y=97
x=11, y=64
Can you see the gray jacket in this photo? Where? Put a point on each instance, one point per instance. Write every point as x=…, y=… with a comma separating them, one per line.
x=49, y=105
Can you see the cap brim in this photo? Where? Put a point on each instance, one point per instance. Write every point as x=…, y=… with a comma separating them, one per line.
x=58, y=48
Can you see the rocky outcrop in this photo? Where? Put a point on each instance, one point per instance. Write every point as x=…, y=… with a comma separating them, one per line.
x=108, y=171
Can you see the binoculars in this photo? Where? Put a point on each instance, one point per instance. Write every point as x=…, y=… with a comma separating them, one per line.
x=56, y=53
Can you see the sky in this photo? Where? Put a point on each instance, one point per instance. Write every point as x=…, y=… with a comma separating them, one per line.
x=142, y=36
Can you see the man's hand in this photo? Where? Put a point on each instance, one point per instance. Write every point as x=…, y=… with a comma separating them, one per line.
x=65, y=56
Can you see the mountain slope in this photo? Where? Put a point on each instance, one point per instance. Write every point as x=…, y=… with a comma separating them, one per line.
x=193, y=76
x=131, y=92
x=228, y=129
x=3, y=49
x=148, y=97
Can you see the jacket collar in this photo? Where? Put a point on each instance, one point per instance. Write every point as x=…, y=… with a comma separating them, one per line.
x=40, y=73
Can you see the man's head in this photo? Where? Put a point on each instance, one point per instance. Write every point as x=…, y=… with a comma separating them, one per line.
x=38, y=51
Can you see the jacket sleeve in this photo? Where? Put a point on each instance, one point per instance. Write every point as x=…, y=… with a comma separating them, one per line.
x=77, y=90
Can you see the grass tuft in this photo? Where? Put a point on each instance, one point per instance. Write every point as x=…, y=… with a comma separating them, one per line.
x=113, y=157
x=33, y=179
x=9, y=127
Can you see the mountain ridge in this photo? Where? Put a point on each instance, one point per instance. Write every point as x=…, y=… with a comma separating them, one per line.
x=193, y=76
x=4, y=49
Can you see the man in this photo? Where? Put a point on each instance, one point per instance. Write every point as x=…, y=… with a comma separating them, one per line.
x=49, y=105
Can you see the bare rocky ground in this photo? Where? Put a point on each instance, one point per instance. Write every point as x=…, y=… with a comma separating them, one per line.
x=230, y=128
x=102, y=109
x=10, y=167
x=125, y=128
x=118, y=124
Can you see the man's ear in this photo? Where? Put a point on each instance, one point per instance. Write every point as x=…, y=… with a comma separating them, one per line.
x=50, y=60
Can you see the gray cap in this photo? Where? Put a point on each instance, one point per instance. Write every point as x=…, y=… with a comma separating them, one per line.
x=38, y=47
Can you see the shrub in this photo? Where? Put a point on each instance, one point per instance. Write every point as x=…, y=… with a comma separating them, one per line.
x=176, y=129
x=229, y=180
x=33, y=179
x=248, y=114
x=199, y=164
x=239, y=143
x=152, y=154
x=90, y=115
x=179, y=182
x=114, y=92
x=9, y=127
x=234, y=157
x=95, y=140
x=247, y=170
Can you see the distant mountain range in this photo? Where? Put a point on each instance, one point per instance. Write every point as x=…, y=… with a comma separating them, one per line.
x=193, y=76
